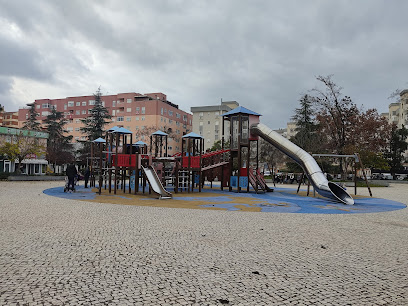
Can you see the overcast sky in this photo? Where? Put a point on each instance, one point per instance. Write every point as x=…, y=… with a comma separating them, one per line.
x=262, y=53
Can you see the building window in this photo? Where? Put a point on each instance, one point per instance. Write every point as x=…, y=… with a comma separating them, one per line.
x=129, y=100
x=128, y=119
x=137, y=118
x=89, y=111
x=70, y=129
x=178, y=115
x=170, y=113
x=78, y=104
x=128, y=110
x=46, y=105
x=76, y=137
x=136, y=128
x=143, y=110
x=113, y=112
x=120, y=118
x=45, y=113
x=113, y=103
x=161, y=111
x=77, y=129
x=65, y=107
x=38, y=106
x=91, y=102
x=137, y=110
x=201, y=115
x=84, y=112
x=77, y=112
x=70, y=103
x=143, y=118
x=84, y=103
x=77, y=120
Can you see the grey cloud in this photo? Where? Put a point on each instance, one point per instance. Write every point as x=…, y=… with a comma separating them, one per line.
x=264, y=54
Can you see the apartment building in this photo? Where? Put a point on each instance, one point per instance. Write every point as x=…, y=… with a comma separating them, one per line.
x=9, y=119
x=398, y=111
x=207, y=121
x=142, y=114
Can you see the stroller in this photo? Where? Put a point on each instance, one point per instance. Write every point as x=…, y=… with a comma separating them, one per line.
x=67, y=187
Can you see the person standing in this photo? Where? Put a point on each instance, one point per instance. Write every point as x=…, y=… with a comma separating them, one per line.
x=87, y=173
x=71, y=172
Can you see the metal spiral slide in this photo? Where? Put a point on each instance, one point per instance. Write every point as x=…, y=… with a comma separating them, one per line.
x=306, y=161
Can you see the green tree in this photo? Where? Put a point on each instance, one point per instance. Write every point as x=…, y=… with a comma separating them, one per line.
x=31, y=122
x=20, y=147
x=59, y=146
x=306, y=137
x=217, y=145
x=94, y=124
x=397, y=145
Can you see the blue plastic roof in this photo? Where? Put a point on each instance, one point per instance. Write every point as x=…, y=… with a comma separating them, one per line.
x=140, y=143
x=100, y=140
x=160, y=133
x=122, y=131
x=192, y=135
x=241, y=110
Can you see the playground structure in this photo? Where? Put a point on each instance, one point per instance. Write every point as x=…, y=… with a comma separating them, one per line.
x=123, y=165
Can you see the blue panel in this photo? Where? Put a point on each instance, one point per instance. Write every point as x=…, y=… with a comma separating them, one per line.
x=196, y=179
x=132, y=181
x=243, y=181
x=234, y=181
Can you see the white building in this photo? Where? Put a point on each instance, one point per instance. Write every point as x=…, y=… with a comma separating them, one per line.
x=207, y=121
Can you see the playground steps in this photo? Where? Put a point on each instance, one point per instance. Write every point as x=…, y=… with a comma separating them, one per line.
x=258, y=182
x=215, y=166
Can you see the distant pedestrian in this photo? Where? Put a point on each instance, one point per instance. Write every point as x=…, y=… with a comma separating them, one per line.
x=87, y=173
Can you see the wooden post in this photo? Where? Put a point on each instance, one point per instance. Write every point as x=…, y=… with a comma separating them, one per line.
x=116, y=164
x=355, y=178
x=100, y=179
x=189, y=164
x=110, y=161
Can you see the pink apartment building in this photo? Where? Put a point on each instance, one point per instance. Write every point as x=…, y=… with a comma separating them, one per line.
x=133, y=111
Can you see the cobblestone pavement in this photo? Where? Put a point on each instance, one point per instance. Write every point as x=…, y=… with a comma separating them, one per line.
x=55, y=251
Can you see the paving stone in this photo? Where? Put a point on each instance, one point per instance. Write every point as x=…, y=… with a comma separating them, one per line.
x=55, y=251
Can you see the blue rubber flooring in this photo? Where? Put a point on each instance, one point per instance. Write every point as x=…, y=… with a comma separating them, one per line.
x=282, y=200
